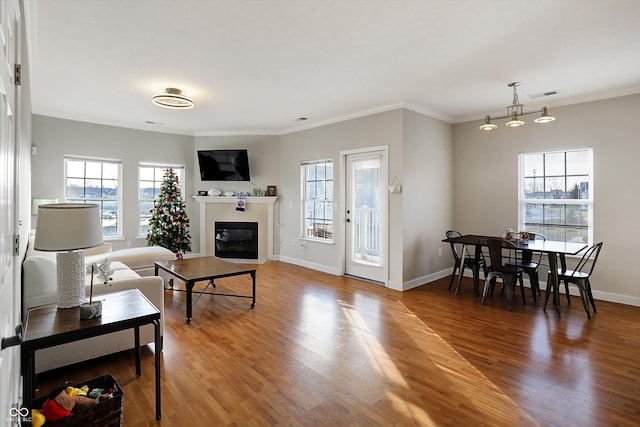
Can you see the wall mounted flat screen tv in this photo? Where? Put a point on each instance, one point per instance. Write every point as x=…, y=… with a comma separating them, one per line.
x=224, y=165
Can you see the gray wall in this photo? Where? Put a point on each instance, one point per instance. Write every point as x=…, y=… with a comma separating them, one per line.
x=486, y=180
x=264, y=167
x=427, y=197
x=383, y=129
x=55, y=138
x=264, y=161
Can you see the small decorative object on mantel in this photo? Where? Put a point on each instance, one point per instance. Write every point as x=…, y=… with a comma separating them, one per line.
x=92, y=308
x=256, y=192
x=272, y=190
x=241, y=205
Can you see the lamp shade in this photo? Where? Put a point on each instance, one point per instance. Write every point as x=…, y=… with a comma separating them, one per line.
x=68, y=227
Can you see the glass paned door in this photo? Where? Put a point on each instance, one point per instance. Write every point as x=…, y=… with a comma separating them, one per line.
x=365, y=215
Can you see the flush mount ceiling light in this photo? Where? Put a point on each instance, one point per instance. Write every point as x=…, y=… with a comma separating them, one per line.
x=515, y=112
x=173, y=98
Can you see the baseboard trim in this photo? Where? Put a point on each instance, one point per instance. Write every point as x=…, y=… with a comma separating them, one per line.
x=430, y=278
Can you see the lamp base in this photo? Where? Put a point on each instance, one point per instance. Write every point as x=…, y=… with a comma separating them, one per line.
x=71, y=272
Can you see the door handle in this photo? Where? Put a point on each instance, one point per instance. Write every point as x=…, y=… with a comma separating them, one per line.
x=348, y=220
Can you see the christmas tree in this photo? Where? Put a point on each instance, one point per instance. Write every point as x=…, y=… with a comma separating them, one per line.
x=169, y=224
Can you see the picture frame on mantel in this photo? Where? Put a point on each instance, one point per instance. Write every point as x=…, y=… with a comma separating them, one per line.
x=272, y=190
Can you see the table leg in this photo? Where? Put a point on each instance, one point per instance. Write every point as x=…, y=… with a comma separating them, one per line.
x=29, y=365
x=554, y=286
x=464, y=248
x=253, y=279
x=156, y=327
x=189, y=286
x=136, y=334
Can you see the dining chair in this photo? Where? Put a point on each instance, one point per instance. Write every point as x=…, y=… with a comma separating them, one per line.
x=529, y=262
x=463, y=260
x=579, y=276
x=501, y=254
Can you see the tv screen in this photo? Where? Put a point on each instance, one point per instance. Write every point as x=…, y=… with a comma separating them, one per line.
x=224, y=165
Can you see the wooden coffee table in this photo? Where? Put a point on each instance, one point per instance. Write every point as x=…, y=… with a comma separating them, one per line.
x=192, y=270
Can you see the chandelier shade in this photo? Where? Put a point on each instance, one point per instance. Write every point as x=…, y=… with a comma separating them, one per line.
x=487, y=125
x=544, y=117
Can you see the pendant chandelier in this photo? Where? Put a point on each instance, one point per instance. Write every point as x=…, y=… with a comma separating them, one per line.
x=515, y=112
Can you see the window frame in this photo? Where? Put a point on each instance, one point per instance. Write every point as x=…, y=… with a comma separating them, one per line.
x=98, y=200
x=523, y=202
x=163, y=167
x=303, y=197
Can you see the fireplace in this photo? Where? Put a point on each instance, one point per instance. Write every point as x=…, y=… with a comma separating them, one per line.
x=219, y=209
x=236, y=240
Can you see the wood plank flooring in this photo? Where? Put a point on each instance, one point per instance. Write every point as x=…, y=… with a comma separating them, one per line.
x=326, y=351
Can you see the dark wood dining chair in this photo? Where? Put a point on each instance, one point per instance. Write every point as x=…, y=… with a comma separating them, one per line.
x=501, y=254
x=463, y=260
x=529, y=262
x=579, y=276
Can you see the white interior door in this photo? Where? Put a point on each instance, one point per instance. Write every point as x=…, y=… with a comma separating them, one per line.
x=9, y=280
x=366, y=215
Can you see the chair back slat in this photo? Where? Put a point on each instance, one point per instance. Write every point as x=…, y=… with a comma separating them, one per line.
x=454, y=248
x=591, y=254
x=499, y=250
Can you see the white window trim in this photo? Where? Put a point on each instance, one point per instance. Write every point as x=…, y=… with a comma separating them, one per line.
x=522, y=202
x=119, y=229
x=303, y=218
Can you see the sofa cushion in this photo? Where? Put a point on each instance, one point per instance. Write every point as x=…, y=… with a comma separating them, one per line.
x=142, y=258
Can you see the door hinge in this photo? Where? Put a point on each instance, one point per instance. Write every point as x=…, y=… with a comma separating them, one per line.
x=18, y=74
x=16, y=244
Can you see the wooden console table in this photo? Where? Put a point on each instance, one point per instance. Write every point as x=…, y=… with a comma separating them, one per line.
x=192, y=270
x=48, y=326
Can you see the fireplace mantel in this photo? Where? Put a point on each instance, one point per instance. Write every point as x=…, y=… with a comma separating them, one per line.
x=221, y=208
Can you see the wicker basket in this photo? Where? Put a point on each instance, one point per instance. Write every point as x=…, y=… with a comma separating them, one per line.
x=107, y=413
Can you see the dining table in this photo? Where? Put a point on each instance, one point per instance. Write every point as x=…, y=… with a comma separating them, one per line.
x=553, y=249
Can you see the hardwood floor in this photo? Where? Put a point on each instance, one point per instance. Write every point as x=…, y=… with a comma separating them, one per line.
x=326, y=351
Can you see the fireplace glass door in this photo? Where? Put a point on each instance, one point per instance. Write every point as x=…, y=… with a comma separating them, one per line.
x=236, y=240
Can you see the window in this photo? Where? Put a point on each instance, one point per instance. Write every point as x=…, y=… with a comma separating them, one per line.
x=150, y=178
x=96, y=181
x=317, y=196
x=556, y=194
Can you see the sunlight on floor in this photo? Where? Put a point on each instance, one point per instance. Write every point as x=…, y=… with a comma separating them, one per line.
x=375, y=352
x=465, y=384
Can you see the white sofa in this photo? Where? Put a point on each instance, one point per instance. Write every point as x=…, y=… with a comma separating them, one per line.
x=133, y=268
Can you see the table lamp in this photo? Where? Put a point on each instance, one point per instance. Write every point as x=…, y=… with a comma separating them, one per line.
x=68, y=228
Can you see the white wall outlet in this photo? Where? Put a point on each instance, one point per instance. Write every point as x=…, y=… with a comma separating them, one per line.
x=440, y=251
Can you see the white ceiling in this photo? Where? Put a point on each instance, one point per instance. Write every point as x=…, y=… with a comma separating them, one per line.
x=256, y=66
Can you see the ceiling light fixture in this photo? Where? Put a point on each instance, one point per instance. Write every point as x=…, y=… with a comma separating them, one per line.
x=173, y=98
x=514, y=112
